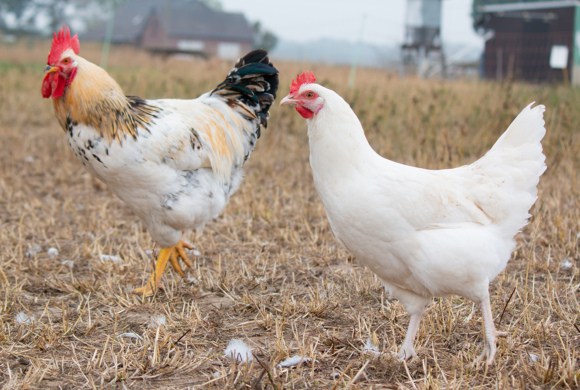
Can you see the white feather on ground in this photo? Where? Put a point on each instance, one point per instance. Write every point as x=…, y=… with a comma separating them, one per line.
x=34, y=250
x=157, y=320
x=239, y=351
x=114, y=259
x=23, y=318
x=68, y=263
x=52, y=253
x=294, y=361
x=371, y=349
x=130, y=335
x=566, y=264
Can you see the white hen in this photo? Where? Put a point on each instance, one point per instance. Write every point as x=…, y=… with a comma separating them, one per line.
x=425, y=233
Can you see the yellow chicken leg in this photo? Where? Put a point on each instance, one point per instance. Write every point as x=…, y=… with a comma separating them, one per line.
x=166, y=254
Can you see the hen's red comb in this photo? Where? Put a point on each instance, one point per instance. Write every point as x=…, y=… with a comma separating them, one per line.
x=304, y=78
x=61, y=43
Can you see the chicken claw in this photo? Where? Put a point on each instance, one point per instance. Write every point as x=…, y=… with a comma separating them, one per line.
x=166, y=254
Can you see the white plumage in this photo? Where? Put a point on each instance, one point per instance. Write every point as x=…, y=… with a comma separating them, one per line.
x=425, y=233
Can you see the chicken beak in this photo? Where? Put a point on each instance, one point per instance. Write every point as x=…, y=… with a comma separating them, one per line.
x=50, y=69
x=289, y=101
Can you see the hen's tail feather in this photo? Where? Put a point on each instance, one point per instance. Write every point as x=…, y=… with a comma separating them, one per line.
x=527, y=128
x=516, y=162
x=253, y=82
x=520, y=149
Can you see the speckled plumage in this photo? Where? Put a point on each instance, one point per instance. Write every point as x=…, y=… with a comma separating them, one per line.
x=175, y=163
x=164, y=173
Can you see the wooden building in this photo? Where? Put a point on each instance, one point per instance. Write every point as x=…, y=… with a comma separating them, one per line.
x=534, y=41
x=178, y=26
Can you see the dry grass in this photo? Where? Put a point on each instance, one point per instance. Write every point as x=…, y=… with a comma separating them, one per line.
x=270, y=272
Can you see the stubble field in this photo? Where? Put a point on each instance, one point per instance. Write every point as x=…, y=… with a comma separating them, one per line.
x=269, y=271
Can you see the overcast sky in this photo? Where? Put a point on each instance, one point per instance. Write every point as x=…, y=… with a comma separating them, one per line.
x=384, y=20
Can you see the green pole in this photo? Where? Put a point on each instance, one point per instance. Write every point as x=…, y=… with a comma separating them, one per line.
x=354, y=64
x=108, y=37
x=575, y=48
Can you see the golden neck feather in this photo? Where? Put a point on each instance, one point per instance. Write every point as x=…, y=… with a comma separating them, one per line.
x=96, y=100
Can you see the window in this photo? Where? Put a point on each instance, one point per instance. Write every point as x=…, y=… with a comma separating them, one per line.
x=228, y=50
x=186, y=45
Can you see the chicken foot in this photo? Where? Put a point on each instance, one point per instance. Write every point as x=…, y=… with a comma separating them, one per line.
x=491, y=333
x=407, y=350
x=166, y=254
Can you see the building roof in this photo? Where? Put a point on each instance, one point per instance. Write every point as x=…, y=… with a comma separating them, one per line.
x=528, y=6
x=194, y=19
x=128, y=25
x=179, y=18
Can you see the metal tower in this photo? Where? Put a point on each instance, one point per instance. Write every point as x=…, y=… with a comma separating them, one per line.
x=422, y=47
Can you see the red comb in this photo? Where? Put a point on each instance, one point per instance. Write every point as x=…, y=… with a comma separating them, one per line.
x=61, y=43
x=304, y=78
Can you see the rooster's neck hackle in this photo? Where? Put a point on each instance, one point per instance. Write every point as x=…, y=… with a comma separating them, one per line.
x=95, y=100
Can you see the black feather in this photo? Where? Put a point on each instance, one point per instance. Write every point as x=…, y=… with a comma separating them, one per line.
x=253, y=82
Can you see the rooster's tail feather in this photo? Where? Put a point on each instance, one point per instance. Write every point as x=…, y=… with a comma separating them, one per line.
x=253, y=82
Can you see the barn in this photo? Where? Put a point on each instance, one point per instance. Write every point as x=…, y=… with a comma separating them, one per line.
x=533, y=41
x=178, y=26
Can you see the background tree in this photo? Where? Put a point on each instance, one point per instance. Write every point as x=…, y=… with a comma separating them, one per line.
x=42, y=16
x=213, y=4
x=263, y=39
x=15, y=15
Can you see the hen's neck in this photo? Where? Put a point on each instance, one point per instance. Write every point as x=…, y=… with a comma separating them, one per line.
x=338, y=145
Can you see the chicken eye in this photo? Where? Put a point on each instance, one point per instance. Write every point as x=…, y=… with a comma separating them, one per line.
x=66, y=61
x=309, y=95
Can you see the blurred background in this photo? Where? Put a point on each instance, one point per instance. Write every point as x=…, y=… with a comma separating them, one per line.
x=488, y=39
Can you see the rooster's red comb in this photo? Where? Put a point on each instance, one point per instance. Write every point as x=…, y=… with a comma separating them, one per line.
x=61, y=43
x=304, y=78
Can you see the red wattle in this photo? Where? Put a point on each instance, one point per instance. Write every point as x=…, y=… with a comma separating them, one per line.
x=59, y=87
x=72, y=75
x=47, y=85
x=305, y=112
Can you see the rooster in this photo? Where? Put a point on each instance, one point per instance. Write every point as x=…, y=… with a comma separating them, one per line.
x=175, y=163
x=425, y=233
